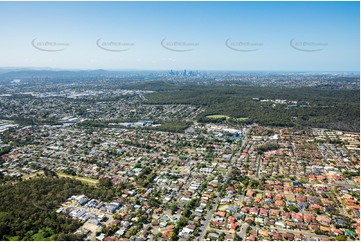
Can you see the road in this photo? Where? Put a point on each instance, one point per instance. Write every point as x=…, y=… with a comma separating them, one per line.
x=183, y=187
x=243, y=231
x=304, y=233
x=169, y=214
x=214, y=206
x=241, y=234
x=234, y=160
x=205, y=225
x=258, y=166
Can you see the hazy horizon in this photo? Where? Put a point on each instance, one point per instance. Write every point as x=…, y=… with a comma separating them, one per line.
x=156, y=70
x=162, y=70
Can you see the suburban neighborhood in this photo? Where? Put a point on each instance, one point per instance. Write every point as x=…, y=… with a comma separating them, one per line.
x=212, y=182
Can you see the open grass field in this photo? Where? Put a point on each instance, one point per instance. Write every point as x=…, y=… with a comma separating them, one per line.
x=88, y=180
x=217, y=116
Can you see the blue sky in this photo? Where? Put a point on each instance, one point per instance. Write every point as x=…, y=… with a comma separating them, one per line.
x=325, y=35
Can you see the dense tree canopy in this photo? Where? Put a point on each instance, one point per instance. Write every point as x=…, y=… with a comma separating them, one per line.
x=325, y=108
x=27, y=208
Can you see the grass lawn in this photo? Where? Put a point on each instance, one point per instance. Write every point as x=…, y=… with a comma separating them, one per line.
x=242, y=119
x=217, y=116
x=223, y=207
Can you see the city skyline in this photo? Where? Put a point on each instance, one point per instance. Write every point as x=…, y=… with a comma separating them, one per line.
x=229, y=36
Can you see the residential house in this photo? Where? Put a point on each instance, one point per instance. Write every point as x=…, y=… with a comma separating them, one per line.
x=323, y=219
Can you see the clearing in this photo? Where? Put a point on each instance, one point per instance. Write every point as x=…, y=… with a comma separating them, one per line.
x=88, y=180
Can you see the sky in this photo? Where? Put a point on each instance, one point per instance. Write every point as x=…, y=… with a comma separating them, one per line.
x=238, y=36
